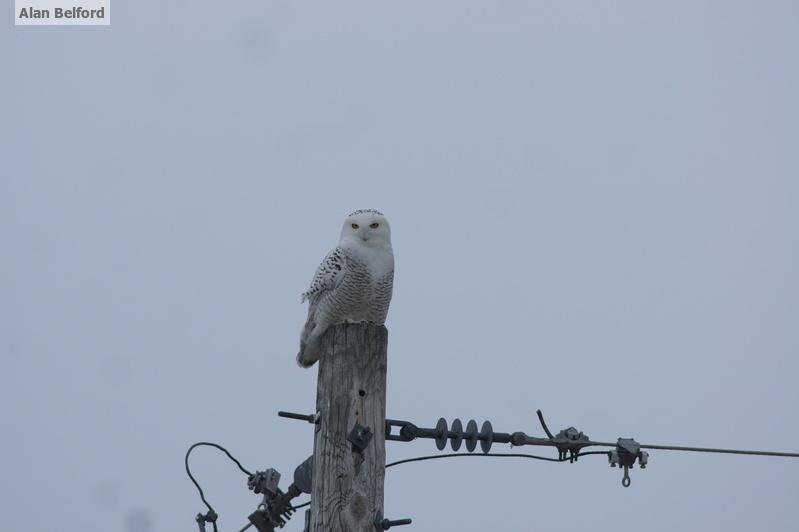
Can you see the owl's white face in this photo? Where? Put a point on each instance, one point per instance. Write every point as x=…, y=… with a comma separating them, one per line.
x=367, y=227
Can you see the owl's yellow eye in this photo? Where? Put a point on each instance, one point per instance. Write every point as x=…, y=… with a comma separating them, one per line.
x=355, y=226
x=374, y=225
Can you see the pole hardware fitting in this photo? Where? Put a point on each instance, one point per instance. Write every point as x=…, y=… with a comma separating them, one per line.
x=360, y=437
x=409, y=432
x=275, y=511
x=261, y=521
x=209, y=517
x=303, y=475
x=310, y=418
x=456, y=435
x=385, y=524
x=625, y=454
x=276, y=508
x=263, y=482
x=569, y=443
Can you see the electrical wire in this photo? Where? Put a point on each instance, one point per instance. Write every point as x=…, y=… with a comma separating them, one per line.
x=675, y=447
x=216, y=446
x=494, y=455
x=571, y=458
x=196, y=484
x=722, y=451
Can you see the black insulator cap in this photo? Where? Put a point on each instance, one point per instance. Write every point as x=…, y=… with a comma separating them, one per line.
x=456, y=434
x=486, y=436
x=441, y=433
x=471, y=435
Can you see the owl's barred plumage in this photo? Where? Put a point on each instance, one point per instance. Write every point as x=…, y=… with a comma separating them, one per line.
x=326, y=274
x=353, y=283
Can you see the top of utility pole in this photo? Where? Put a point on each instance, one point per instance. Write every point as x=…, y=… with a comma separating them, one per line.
x=349, y=443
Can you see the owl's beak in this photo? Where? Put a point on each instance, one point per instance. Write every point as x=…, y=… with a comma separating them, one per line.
x=365, y=238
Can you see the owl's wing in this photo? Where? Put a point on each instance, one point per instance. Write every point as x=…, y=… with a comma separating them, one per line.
x=328, y=275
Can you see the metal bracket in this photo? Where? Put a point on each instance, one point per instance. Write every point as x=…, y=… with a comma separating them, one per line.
x=360, y=437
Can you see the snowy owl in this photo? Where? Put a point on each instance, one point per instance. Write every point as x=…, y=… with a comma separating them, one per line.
x=353, y=283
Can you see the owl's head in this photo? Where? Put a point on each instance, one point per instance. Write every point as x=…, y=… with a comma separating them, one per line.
x=366, y=226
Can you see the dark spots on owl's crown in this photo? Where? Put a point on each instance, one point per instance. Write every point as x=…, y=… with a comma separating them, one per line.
x=365, y=211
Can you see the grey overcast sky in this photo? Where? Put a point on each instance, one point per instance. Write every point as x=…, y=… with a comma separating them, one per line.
x=594, y=212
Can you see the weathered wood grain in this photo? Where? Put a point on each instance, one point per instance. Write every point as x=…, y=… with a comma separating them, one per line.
x=348, y=485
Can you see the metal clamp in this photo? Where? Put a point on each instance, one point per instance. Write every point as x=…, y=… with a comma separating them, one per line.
x=264, y=481
x=569, y=443
x=625, y=454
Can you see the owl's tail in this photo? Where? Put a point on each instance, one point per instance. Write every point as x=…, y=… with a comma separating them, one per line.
x=308, y=355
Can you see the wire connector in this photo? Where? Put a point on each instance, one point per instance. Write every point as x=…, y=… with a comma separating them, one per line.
x=625, y=454
x=209, y=517
x=264, y=482
x=569, y=443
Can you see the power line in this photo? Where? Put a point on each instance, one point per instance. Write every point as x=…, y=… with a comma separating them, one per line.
x=723, y=451
x=570, y=444
x=494, y=455
x=568, y=440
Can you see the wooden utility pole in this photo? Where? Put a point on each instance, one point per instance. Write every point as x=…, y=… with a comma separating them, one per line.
x=351, y=393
